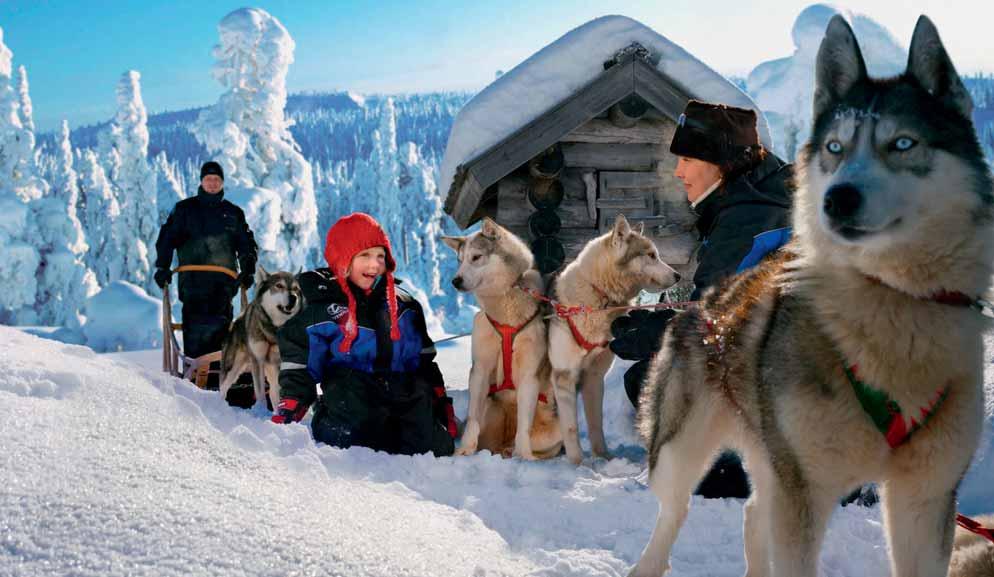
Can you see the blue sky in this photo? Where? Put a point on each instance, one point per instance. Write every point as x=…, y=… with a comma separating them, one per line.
x=76, y=51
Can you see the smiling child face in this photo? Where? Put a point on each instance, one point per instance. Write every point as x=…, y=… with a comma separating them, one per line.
x=367, y=266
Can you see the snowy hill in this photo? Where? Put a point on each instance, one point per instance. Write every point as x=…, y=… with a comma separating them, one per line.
x=111, y=468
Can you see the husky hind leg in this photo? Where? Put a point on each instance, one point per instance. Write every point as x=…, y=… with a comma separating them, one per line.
x=686, y=428
x=238, y=366
x=920, y=529
x=592, y=389
x=272, y=372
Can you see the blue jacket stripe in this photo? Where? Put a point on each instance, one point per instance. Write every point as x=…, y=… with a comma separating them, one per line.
x=762, y=245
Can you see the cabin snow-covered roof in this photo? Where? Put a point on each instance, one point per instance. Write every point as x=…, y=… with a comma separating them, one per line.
x=552, y=75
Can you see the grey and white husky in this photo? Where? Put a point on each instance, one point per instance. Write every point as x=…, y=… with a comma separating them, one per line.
x=854, y=355
x=519, y=418
x=251, y=343
x=609, y=272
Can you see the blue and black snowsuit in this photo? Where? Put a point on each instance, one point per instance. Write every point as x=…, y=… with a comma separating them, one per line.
x=382, y=394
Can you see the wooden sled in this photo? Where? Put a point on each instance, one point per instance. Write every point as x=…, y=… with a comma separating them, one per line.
x=174, y=362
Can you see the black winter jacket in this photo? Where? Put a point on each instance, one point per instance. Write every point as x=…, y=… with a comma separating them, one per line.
x=206, y=229
x=729, y=219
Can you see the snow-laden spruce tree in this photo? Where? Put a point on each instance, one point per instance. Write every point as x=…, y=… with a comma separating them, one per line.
x=24, y=99
x=396, y=186
x=101, y=220
x=64, y=281
x=19, y=187
x=125, y=152
x=247, y=132
x=167, y=186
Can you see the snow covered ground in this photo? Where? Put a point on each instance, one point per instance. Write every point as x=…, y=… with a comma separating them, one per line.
x=111, y=468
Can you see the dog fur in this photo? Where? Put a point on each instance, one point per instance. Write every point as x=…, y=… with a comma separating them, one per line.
x=251, y=342
x=973, y=555
x=609, y=271
x=759, y=366
x=492, y=262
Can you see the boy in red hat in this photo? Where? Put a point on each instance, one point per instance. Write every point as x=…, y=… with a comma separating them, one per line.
x=364, y=341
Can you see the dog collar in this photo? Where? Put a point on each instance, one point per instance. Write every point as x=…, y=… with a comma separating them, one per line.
x=887, y=415
x=944, y=297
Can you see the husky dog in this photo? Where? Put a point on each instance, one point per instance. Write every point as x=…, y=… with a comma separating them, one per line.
x=973, y=555
x=609, y=271
x=853, y=355
x=251, y=343
x=495, y=265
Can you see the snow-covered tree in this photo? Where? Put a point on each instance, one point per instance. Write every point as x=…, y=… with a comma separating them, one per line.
x=168, y=188
x=19, y=259
x=397, y=187
x=126, y=152
x=24, y=97
x=101, y=220
x=64, y=282
x=247, y=132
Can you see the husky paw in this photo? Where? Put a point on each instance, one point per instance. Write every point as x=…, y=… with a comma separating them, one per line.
x=639, y=571
x=529, y=456
x=465, y=451
x=604, y=455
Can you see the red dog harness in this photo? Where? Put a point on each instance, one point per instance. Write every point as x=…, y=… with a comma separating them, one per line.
x=507, y=334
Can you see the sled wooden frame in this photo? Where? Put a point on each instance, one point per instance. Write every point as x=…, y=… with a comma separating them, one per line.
x=174, y=362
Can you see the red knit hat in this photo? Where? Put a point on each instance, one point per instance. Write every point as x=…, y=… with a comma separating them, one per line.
x=346, y=238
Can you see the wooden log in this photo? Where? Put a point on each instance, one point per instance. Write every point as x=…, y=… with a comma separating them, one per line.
x=626, y=112
x=549, y=253
x=631, y=157
x=544, y=223
x=513, y=207
x=645, y=131
x=544, y=193
x=549, y=164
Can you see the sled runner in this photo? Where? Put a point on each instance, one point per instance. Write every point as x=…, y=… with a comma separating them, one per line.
x=174, y=361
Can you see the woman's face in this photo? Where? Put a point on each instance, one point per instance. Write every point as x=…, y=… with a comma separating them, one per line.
x=697, y=175
x=366, y=266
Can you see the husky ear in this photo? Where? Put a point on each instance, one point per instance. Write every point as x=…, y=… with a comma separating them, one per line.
x=260, y=275
x=929, y=63
x=490, y=229
x=639, y=228
x=621, y=227
x=839, y=66
x=454, y=242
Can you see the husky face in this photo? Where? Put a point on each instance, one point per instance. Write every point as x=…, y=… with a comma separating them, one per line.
x=278, y=294
x=890, y=158
x=490, y=261
x=637, y=260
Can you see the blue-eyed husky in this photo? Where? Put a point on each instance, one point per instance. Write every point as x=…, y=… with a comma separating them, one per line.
x=854, y=355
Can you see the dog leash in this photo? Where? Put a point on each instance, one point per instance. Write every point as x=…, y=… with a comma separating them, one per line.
x=974, y=527
x=564, y=311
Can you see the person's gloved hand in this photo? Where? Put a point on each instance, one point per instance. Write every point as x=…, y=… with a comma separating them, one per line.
x=634, y=379
x=162, y=276
x=637, y=335
x=289, y=411
x=246, y=279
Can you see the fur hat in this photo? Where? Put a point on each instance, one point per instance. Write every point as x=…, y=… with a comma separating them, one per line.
x=719, y=134
x=346, y=238
x=211, y=167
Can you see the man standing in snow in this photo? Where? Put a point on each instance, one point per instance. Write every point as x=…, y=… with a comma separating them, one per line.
x=206, y=230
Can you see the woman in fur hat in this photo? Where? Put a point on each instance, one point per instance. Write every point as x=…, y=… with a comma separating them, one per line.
x=364, y=341
x=740, y=193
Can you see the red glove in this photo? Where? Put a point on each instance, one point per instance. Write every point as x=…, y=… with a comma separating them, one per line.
x=290, y=411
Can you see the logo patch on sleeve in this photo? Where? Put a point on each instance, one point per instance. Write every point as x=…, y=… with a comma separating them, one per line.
x=336, y=311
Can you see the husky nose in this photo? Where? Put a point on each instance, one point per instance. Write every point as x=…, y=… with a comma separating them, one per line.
x=293, y=300
x=457, y=282
x=842, y=201
x=676, y=277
